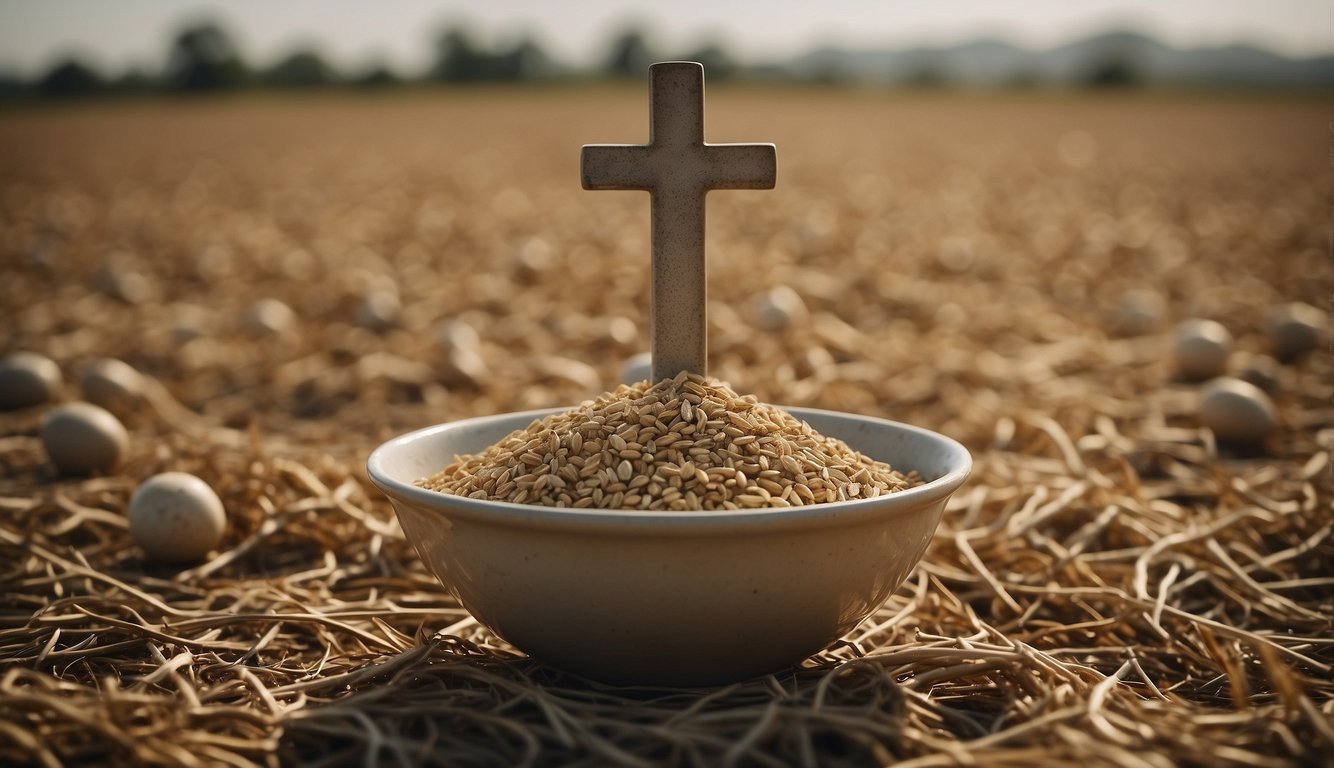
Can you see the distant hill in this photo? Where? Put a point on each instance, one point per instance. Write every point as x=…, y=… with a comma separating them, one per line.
x=1132, y=55
x=204, y=58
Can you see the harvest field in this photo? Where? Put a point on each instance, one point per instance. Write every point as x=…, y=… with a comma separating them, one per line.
x=1111, y=586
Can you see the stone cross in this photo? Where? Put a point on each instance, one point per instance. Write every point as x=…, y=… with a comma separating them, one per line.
x=677, y=168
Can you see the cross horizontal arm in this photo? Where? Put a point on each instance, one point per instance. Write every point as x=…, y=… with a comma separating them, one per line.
x=617, y=166
x=740, y=166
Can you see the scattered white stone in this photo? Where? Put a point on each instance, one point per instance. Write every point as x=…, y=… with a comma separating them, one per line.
x=456, y=334
x=534, y=257
x=815, y=362
x=957, y=254
x=1294, y=330
x=620, y=330
x=122, y=280
x=82, y=438
x=779, y=307
x=1139, y=312
x=379, y=310
x=111, y=383
x=637, y=368
x=27, y=379
x=463, y=366
x=269, y=317
x=1202, y=348
x=1237, y=411
x=176, y=517
x=461, y=363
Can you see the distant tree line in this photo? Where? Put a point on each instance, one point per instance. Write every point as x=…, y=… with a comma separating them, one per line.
x=203, y=57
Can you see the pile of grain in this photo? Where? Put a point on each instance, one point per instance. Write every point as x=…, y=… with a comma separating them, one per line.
x=689, y=443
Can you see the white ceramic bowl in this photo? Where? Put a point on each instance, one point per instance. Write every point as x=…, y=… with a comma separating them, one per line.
x=671, y=598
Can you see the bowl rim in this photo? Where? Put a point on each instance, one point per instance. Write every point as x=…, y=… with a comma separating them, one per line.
x=668, y=522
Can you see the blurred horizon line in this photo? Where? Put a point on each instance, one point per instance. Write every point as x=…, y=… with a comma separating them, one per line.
x=396, y=34
x=205, y=56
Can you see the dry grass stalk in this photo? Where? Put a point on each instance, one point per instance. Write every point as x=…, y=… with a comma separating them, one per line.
x=1169, y=600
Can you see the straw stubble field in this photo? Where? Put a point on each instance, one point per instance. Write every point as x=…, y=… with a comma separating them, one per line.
x=1111, y=586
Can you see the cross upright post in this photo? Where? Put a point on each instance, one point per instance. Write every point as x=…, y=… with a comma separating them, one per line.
x=678, y=169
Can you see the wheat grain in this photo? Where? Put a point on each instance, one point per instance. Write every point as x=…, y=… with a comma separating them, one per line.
x=689, y=443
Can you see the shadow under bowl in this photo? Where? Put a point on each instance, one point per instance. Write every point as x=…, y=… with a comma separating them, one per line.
x=671, y=598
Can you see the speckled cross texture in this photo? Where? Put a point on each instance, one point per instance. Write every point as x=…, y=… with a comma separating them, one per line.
x=677, y=169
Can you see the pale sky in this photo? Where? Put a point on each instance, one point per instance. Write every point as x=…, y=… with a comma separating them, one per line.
x=119, y=33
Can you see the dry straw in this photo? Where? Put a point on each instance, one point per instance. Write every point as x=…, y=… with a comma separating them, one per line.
x=1110, y=587
x=1057, y=616
x=689, y=443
